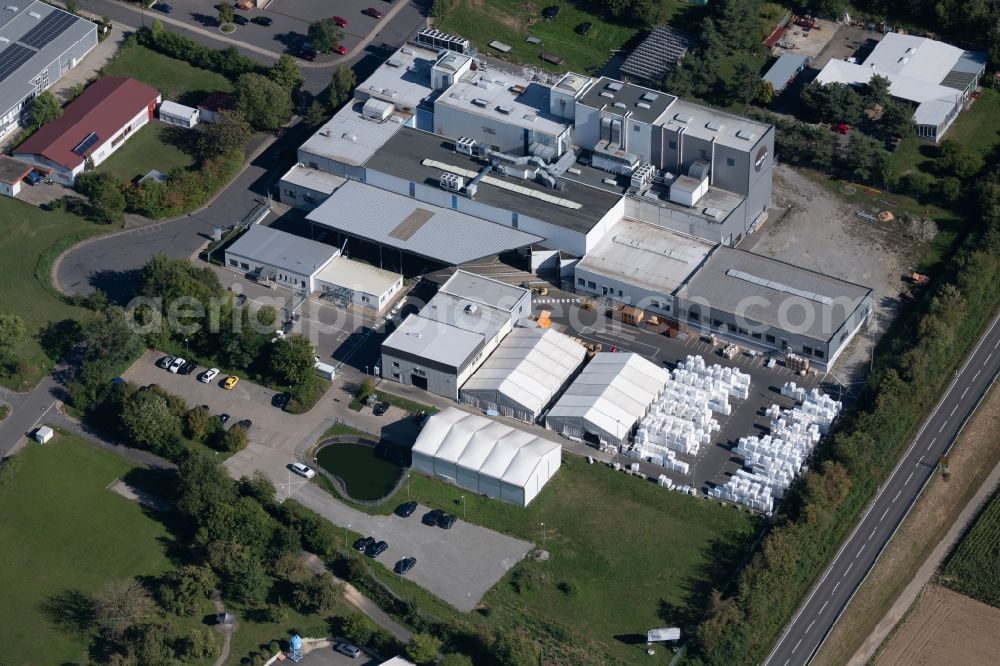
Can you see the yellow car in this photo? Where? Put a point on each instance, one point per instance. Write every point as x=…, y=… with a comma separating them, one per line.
x=231, y=382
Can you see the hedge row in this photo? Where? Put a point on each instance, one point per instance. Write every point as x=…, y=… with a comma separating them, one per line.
x=228, y=61
x=915, y=361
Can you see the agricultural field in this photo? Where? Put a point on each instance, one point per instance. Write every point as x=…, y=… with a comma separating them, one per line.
x=974, y=568
x=32, y=239
x=625, y=556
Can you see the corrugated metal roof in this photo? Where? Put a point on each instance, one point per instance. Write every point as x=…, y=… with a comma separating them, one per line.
x=177, y=110
x=282, y=250
x=374, y=213
x=785, y=68
x=358, y=276
x=528, y=368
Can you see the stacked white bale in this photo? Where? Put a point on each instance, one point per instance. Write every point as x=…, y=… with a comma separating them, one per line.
x=665, y=482
x=731, y=380
x=790, y=390
x=658, y=455
x=745, y=490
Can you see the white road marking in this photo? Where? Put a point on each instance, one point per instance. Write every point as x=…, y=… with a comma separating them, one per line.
x=976, y=375
x=965, y=391
x=796, y=646
x=823, y=607
x=859, y=550
x=897, y=496
x=934, y=439
x=942, y=426
x=884, y=514
x=848, y=568
x=908, y=479
x=989, y=356
x=955, y=408
x=835, y=588
x=810, y=626
x=873, y=532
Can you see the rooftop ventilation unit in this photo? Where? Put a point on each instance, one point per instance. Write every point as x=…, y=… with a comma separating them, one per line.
x=347, y=136
x=683, y=117
x=451, y=182
x=34, y=15
x=606, y=94
x=466, y=146
x=437, y=39
x=471, y=308
x=746, y=135
x=642, y=105
x=4, y=40
x=530, y=117
x=479, y=101
x=456, y=95
x=621, y=105
x=392, y=62
x=12, y=8
x=714, y=213
x=713, y=125
x=614, y=86
x=500, y=82
x=649, y=97
x=407, y=50
x=506, y=110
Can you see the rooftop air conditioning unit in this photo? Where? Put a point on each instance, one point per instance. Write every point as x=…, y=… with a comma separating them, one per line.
x=466, y=146
x=471, y=308
x=451, y=182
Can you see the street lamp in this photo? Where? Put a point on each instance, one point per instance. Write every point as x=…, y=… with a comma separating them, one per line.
x=543, y=533
x=366, y=369
x=187, y=352
x=463, y=507
x=345, y=535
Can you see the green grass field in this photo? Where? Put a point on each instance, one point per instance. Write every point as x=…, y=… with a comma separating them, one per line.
x=175, y=79
x=626, y=556
x=31, y=239
x=978, y=128
x=153, y=147
x=974, y=568
x=62, y=532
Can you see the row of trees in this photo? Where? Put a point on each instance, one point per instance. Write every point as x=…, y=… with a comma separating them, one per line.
x=12, y=333
x=228, y=61
x=916, y=360
x=972, y=22
x=837, y=103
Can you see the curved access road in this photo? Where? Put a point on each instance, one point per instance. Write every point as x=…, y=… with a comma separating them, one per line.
x=835, y=589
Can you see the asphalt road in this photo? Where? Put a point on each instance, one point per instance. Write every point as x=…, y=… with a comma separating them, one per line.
x=831, y=595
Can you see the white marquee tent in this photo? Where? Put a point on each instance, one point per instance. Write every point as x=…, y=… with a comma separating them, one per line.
x=524, y=373
x=485, y=456
x=608, y=397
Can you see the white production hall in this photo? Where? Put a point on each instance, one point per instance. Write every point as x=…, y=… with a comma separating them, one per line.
x=608, y=398
x=485, y=456
x=525, y=372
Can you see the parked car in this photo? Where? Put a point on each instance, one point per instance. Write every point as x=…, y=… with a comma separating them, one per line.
x=188, y=368
x=583, y=28
x=163, y=7
x=231, y=382
x=280, y=400
x=176, y=365
x=340, y=50
x=33, y=178
x=303, y=470
x=431, y=517
x=374, y=13
x=550, y=12
x=349, y=649
x=361, y=545
x=310, y=55
x=340, y=22
x=241, y=20
x=406, y=509
x=262, y=20
x=405, y=565
x=246, y=424
x=842, y=128
x=166, y=361
x=380, y=408
x=208, y=375
x=376, y=549
x=446, y=520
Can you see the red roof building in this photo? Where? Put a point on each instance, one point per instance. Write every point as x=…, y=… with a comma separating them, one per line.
x=93, y=126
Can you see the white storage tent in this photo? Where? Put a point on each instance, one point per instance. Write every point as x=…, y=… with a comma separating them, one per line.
x=524, y=373
x=485, y=456
x=608, y=397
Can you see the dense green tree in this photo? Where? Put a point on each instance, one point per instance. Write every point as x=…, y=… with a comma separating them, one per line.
x=877, y=91
x=148, y=423
x=315, y=114
x=423, y=649
x=259, y=487
x=247, y=582
x=356, y=628
x=122, y=605
x=897, y=120
x=184, y=590
x=229, y=134
x=44, y=109
x=106, y=194
x=285, y=72
x=198, y=644
x=225, y=12
x=515, y=648
x=203, y=487
x=746, y=85
x=341, y=88
x=955, y=159
x=265, y=104
x=292, y=359
x=324, y=35
x=12, y=332
x=318, y=594
x=455, y=659
x=197, y=424
x=234, y=440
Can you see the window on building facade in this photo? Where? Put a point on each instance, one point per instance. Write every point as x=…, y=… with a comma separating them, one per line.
x=818, y=353
x=806, y=349
x=591, y=284
x=245, y=266
x=694, y=316
x=672, y=145
x=233, y=262
x=581, y=282
x=730, y=161
x=769, y=338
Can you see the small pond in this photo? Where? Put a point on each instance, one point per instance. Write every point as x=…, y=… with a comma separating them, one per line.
x=368, y=472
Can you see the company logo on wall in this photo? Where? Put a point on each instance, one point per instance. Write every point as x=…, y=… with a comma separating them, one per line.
x=761, y=158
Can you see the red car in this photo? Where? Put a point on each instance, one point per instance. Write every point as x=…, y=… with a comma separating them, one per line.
x=341, y=22
x=340, y=50
x=842, y=128
x=374, y=13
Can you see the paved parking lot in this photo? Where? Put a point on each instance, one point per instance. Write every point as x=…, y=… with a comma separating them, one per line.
x=457, y=565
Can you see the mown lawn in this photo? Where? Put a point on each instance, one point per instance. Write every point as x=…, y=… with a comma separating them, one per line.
x=977, y=128
x=31, y=240
x=626, y=556
x=176, y=80
x=155, y=146
x=62, y=533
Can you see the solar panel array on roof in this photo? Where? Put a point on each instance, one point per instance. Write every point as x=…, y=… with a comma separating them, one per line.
x=657, y=54
x=13, y=57
x=48, y=29
x=85, y=145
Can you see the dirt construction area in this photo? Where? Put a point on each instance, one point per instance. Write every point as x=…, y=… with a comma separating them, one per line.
x=813, y=228
x=945, y=627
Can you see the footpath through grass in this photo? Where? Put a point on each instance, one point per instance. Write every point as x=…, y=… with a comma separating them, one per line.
x=155, y=146
x=176, y=80
x=32, y=238
x=626, y=556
